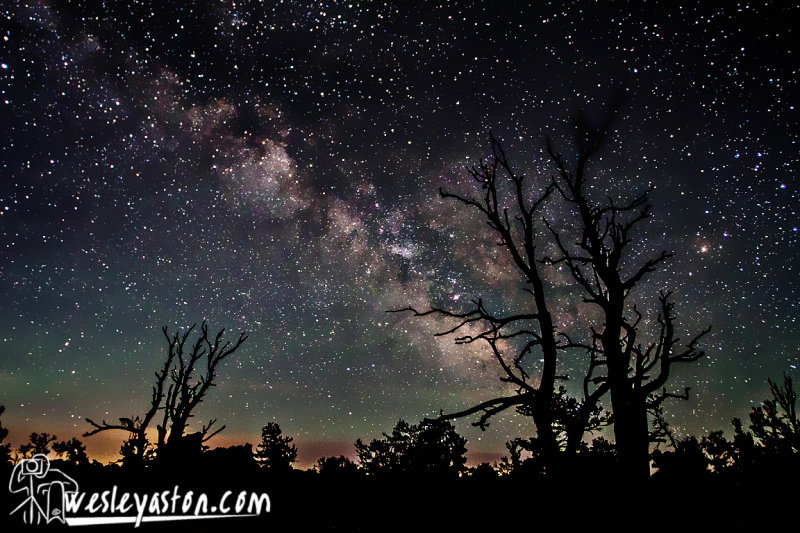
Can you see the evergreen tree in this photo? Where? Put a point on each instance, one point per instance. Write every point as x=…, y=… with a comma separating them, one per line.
x=275, y=451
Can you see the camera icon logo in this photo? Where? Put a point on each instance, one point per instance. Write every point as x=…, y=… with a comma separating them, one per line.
x=45, y=489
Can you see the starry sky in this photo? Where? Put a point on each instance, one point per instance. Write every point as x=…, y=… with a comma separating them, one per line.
x=274, y=167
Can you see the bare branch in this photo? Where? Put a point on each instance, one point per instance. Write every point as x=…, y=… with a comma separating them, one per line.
x=490, y=408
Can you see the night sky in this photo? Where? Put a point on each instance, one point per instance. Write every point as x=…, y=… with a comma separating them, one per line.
x=274, y=167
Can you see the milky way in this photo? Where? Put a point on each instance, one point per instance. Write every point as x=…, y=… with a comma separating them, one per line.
x=275, y=168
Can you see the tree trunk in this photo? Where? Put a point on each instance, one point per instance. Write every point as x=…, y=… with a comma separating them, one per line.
x=543, y=400
x=630, y=413
x=632, y=436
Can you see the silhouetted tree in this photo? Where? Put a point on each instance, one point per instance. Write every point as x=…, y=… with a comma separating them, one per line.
x=340, y=466
x=718, y=450
x=275, y=451
x=686, y=461
x=433, y=447
x=483, y=472
x=775, y=423
x=37, y=443
x=772, y=446
x=184, y=392
x=597, y=460
x=73, y=451
x=603, y=446
x=607, y=269
x=437, y=448
x=5, y=449
x=572, y=420
x=660, y=431
x=532, y=465
x=137, y=449
x=512, y=462
x=745, y=452
x=237, y=458
x=387, y=455
x=511, y=208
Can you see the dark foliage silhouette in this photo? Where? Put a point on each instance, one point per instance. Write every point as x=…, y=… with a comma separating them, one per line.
x=340, y=466
x=37, y=443
x=775, y=423
x=432, y=448
x=5, y=449
x=769, y=450
x=719, y=452
x=730, y=474
x=276, y=451
x=483, y=472
x=772, y=444
x=686, y=461
x=524, y=460
x=72, y=450
x=572, y=420
x=237, y=458
x=189, y=371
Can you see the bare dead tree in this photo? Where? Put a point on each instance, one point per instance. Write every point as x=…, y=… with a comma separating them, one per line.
x=631, y=370
x=137, y=446
x=513, y=338
x=184, y=392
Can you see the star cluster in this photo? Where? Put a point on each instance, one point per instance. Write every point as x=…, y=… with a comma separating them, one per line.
x=274, y=167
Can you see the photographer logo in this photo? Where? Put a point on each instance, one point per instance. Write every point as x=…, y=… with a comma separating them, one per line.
x=49, y=495
x=45, y=490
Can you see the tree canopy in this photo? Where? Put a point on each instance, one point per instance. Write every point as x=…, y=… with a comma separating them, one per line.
x=432, y=447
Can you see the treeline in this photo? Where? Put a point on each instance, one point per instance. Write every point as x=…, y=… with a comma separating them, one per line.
x=417, y=474
x=768, y=444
